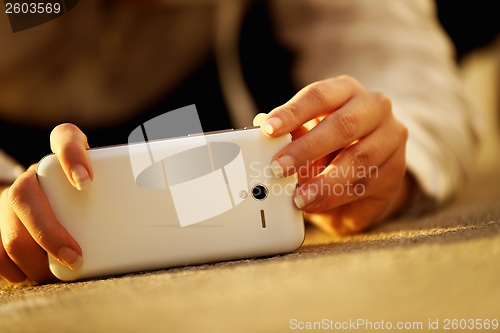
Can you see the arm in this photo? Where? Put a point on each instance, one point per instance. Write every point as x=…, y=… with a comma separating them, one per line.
x=393, y=47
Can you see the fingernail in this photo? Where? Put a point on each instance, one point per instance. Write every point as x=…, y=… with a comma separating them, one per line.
x=271, y=125
x=299, y=201
x=283, y=166
x=70, y=258
x=305, y=198
x=80, y=177
x=257, y=120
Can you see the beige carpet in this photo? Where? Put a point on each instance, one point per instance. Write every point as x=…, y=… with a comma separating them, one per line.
x=443, y=266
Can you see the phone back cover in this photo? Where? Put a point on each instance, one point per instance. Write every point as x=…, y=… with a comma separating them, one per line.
x=123, y=227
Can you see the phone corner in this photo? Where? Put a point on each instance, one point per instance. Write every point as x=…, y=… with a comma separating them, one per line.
x=45, y=163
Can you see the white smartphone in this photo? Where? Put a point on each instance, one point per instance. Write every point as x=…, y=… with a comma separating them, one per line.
x=230, y=207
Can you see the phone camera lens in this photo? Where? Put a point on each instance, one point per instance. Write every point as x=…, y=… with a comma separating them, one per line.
x=260, y=192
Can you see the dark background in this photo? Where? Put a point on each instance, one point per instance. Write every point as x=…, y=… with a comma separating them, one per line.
x=470, y=24
x=266, y=70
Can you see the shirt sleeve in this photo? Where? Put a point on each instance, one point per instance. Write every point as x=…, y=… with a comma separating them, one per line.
x=397, y=48
x=9, y=168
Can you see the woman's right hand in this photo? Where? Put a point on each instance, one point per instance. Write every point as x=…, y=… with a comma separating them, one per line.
x=28, y=227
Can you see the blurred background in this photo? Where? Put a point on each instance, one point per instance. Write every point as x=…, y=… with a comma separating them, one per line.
x=266, y=68
x=474, y=28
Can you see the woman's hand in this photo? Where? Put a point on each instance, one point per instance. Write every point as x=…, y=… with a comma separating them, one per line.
x=348, y=151
x=28, y=228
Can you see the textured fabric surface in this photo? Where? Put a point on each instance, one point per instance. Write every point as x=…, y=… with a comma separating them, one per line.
x=443, y=265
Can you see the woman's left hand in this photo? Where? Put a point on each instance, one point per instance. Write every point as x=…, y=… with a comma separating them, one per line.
x=348, y=151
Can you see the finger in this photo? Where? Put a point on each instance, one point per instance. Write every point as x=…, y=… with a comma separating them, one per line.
x=314, y=168
x=69, y=144
x=33, y=209
x=351, y=218
x=326, y=193
x=8, y=269
x=315, y=100
x=27, y=258
x=359, y=160
x=355, y=120
x=302, y=130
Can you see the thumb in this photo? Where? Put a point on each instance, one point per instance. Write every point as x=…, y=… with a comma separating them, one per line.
x=69, y=144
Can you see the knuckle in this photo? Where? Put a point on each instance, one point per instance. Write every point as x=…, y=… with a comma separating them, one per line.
x=311, y=146
x=399, y=132
x=380, y=103
x=403, y=130
x=345, y=126
x=14, y=245
x=316, y=93
x=291, y=114
x=349, y=80
x=383, y=100
x=39, y=235
x=359, y=158
x=16, y=192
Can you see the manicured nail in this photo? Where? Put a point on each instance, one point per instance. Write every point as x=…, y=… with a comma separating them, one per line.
x=271, y=125
x=283, y=166
x=299, y=201
x=70, y=258
x=257, y=120
x=80, y=177
x=304, y=198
